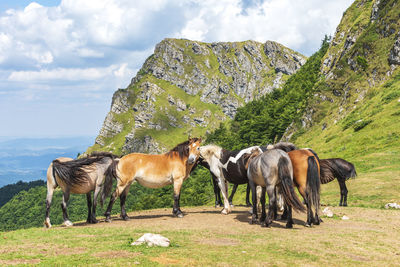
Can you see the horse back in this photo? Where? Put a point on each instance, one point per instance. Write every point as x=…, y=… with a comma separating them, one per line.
x=157, y=167
x=235, y=173
x=299, y=159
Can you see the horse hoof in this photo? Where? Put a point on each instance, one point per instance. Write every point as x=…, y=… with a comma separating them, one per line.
x=68, y=223
x=180, y=215
x=108, y=219
x=289, y=225
x=47, y=223
x=224, y=211
x=125, y=218
x=308, y=225
x=263, y=224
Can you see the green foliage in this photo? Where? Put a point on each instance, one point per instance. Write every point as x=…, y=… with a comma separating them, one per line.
x=27, y=208
x=265, y=120
x=8, y=191
x=362, y=62
x=361, y=124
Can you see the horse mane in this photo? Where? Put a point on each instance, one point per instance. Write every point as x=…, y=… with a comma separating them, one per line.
x=336, y=168
x=285, y=146
x=75, y=172
x=249, y=157
x=212, y=149
x=181, y=148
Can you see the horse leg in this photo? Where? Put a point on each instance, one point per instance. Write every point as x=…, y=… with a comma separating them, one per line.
x=343, y=193
x=271, y=204
x=289, y=222
x=223, y=186
x=50, y=190
x=89, y=205
x=234, y=188
x=122, y=199
x=310, y=217
x=263, y=214
x=176, y=211
x=284, y=215
x=248, y=203
x=65, y=199
x=254, y=217
x=217, y=191
x=94, y=206
x=120, y=188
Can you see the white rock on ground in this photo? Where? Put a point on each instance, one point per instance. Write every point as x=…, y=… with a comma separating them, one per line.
x=392, y=205
x=327, y=212
x=152, y=240
x=345, y=217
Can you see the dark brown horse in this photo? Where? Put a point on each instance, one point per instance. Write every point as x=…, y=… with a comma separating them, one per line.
x=340, y=169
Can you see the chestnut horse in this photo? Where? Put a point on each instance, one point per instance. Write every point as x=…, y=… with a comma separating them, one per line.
x=155, y=171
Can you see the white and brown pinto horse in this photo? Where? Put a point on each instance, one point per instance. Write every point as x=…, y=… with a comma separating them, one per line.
x=80, y=176
x=226, y=166
x=155, y=171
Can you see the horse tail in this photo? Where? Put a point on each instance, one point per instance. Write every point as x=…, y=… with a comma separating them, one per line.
x=110, y=174
x=70, y=176
x=286, y=178
x=313, y=183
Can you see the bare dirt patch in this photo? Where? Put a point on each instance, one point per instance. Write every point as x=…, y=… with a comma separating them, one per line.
x=165, y=260
x=219, y=242
x=116, y=254
x=19, y=261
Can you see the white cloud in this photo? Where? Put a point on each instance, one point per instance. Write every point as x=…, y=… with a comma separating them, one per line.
x=83, y=50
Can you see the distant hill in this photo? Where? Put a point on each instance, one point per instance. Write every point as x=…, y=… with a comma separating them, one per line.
x=9, y=191
x=27, y=159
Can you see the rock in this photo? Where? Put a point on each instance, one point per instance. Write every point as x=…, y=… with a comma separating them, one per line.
x=152, y=240
x=345, y=217
x=394, y=56
x=327, y=212
x=392, y=205
x=375, y=11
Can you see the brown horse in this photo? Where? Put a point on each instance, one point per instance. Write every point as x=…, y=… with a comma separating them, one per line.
x=306, y=177
x=155, y=171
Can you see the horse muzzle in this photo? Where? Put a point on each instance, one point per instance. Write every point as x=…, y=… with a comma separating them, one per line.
x=191, y=159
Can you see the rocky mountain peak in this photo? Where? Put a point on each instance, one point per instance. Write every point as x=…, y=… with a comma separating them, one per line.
x=191, y=87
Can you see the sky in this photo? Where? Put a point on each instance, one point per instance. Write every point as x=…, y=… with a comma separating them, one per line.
x=62, y=60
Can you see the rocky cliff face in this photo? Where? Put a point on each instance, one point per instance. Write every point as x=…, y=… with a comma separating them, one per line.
x=189, y=87
x=363, y=54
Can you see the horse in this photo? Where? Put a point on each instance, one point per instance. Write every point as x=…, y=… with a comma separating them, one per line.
x=155, y=171
x=217, y=190
x=285, y=146
x=80, y=176
x=273, y=171
x=226, y=166
x=340, y=169
x=306, y=171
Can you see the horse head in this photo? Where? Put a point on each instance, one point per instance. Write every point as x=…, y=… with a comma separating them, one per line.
x=194, y=150
x=209, y=151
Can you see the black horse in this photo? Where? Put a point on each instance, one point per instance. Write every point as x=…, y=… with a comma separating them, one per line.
x=340, y=169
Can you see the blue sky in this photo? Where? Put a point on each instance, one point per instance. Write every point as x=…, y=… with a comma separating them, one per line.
x=61, y=61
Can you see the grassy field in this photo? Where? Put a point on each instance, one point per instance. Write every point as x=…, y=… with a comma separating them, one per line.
x=371, y=237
